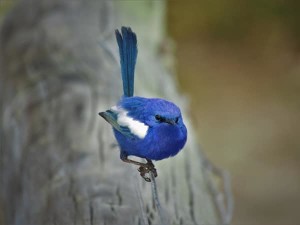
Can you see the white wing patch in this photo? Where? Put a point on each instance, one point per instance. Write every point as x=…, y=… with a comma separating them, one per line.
x=136, y=127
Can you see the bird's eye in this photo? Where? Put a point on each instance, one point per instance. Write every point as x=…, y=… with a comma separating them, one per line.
x=177, y=119
x=158, y=117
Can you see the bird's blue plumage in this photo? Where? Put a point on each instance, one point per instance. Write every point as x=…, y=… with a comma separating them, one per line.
x=150, y=128
x=163, y=138
x=128, y=53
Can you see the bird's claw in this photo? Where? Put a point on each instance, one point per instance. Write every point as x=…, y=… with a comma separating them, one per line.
x=147, y=179
x=146, y=169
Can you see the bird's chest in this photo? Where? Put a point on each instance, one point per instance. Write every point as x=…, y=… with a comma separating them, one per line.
x=163, y=138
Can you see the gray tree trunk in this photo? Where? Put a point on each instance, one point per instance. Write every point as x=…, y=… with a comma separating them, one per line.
x=59, y=164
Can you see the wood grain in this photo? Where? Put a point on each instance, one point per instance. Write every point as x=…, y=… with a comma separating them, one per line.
x=59, y=162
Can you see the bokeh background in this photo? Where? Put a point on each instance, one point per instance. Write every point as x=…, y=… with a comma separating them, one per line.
x=238, y=61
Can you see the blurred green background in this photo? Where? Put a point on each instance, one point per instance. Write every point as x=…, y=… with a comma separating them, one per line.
x=239, y=63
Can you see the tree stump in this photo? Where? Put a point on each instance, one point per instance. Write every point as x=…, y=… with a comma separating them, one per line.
x=59, y=161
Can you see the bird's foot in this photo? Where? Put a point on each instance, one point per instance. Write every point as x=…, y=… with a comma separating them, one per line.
x=146, y=169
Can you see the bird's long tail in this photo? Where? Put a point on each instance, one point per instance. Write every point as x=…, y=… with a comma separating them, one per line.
x=128, y=53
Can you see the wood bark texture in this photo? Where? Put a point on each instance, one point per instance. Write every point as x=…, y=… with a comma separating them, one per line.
x=59, y=160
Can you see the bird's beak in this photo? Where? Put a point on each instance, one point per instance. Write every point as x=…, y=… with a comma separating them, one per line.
x=170, y=121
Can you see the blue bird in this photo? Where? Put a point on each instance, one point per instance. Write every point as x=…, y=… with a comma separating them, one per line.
x=149, y=128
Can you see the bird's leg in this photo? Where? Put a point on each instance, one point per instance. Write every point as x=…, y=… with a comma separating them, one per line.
x=124, y=158
x=144, y=167
x=152, y=167
x=147, y=168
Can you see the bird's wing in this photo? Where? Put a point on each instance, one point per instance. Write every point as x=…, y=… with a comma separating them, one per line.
x=112, y=118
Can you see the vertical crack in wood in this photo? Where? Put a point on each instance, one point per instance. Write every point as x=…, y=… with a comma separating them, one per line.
x=93, y=113
x=141, y=202
x=173, y=187
x=190, y=188
x=101, y=148
x=223, y=201
x=73, y=198
x=155, y=197
x=119, y=196
x=181, y=221
x=91, y=211
x=167, y=193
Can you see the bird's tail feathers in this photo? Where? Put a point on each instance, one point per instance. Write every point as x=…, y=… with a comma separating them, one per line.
x=127, y=43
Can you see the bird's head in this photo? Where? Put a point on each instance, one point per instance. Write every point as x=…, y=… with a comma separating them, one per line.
x=152, y=111
x=161, y=112
x=141, y=114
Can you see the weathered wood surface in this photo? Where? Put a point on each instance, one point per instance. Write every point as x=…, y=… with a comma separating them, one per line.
x=58, y=160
